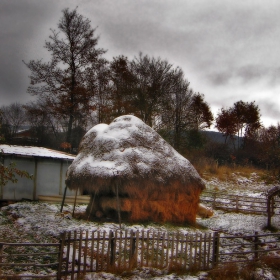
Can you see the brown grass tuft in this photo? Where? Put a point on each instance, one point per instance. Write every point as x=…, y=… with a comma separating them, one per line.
x=180, y=269
x=271, y=261
x=224, y=272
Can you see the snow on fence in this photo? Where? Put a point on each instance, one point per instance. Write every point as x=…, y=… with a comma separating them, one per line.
x=124, y=250
x=238, y=203
x=80, y=252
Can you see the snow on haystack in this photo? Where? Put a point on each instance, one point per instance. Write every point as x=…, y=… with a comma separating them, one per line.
x=127, y=165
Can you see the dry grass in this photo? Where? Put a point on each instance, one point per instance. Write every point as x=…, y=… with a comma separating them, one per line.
x=167, y=207
x=176, y=203
x=246, y=271
x=208, y=169
x=180, y=269
x=233, y=271
x=224, y=272
x=271, y=262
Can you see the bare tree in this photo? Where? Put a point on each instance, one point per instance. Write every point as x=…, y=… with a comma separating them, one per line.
x=13, y=117
x=154, y=80
x=62, y=81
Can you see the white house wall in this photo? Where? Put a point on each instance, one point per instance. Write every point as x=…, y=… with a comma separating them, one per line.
x=49, y=178
x=24, y=187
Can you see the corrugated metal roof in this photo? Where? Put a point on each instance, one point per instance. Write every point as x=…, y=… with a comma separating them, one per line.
x=34, y=152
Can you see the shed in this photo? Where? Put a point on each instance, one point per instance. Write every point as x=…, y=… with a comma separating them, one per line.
x=133, y=173
x=47, y=166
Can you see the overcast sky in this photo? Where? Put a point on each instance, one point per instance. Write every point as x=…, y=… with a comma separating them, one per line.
x=229, y=50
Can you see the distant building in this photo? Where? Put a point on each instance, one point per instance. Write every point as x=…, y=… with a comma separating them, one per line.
x=47, y=166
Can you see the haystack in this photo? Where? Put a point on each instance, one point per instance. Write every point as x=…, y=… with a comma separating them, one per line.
x=133, y=173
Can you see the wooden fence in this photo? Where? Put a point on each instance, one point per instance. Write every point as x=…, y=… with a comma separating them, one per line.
x=247, y=248
x=117, y=251
x=31, y=257
x=125, y=250
x=238, y=203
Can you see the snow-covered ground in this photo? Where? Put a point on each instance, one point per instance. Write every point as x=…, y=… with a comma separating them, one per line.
x=43, y=222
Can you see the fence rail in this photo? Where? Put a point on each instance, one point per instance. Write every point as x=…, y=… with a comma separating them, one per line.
x=116, y=251
x=238, y=203
x=249, y=247
x=29, y=256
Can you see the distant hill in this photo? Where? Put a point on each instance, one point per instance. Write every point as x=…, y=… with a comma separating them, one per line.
x=215, y=136
x=219, y=137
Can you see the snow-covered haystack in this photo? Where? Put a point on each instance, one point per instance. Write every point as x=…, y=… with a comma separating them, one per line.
x=127, y=165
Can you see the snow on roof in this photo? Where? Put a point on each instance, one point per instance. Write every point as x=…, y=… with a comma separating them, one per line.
x=34, y=152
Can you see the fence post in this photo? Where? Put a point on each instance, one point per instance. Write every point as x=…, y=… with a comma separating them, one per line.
x=256, y=243
x=215, y=255
x=1, y=253
x=214, y=201
x=60, y=254
x=112, y=248
x=236, y=201
x=268, y=212
x=132, y=247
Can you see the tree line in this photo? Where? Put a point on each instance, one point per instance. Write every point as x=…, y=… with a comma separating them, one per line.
x=78, y=88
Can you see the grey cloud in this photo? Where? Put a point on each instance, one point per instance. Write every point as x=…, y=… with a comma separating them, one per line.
x=269, y=108
x=224, y=47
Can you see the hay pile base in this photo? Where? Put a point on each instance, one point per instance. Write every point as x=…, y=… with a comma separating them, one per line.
x=149, y=204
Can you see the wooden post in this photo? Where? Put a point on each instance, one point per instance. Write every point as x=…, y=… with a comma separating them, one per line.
x=1, y=253
x=97, y=250
x=35, y=179
x=118, y=205
x=191, y=251
x=112, y=248
x=268, y=212
x=80, y=252
x=153, y=248
x=142, y=248
x=132, y=248
x=60, y=254
x=62, y=203
x=236, y=203
x=172, y=252
x=147, y=250
x=214, y=202
x=1, y=177
x=60, y=177
x=200, y=251
x=177, y=247
x=256, y=243
x=85, y=252
x=73, y=256
x=215, y=255
x=92, y=202
x=120, y=249
x=208, y=251
x=68, y=252
x=91, y=251
x=75, y=203
x=136, y=247
x=162, y=250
